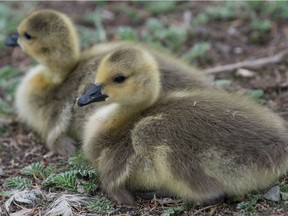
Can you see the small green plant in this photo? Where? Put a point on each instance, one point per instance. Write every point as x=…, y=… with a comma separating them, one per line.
x=251, y=11
x=220, y=13
x=198, y=51
x=89, y=186
x=224, y=12
x=158, y=35
x=174, y=38
x=95, y=19
x=264, y=9
x=88, y=36
x=78, y=173
x=5, y=108
x=201, y=18
x=100, y=205
x=9, y=79
x=80, y=167
x=173, y=211
x=18, y=182
x=133, y=15
x=257, y=95
x=126, y=33
x=159, y=7
x=155, y=26
x=261, y=25
x=38, y=170
x=283, y=188
x=64, y=180
x=249, y=205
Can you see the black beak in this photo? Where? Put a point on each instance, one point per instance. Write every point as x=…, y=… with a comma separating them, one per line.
x=92, y=95
x=12, y=40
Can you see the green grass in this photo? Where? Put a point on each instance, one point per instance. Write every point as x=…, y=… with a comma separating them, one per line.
x=157, y=34
x=257, y=95
x=173, y=211
x=38, y=170
x=197, y=52
x=76, y=176
x=249, y=205
x=171, y=36
x=126, y=33
x=64, y=180
x=89, y=36
x=258, y=13
x=18, y=182
x=9, y=79
x=100, y=205
x=159, y=7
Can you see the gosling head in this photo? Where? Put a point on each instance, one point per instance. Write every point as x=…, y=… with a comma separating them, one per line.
x=128, y=76
x=48, y=36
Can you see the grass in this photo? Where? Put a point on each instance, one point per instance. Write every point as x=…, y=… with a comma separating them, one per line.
x=89, y=36
x=18, y=182
x=37, y=170
x=257, y=95
x=126, y=33
x=197, y=52
x=9, y=79
x=173, y=211
x=159, y=7
x=76, y=176
x=249, y=205
x=100, y=205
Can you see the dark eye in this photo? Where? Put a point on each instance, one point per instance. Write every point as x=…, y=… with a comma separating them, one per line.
x=119, y=79
x=27, y=36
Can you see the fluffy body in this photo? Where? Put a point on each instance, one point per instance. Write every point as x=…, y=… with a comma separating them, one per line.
x=45, y=98
x=198, y=145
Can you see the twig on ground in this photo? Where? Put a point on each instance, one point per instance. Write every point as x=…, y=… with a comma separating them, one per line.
x=205, y=208
x=257, y=63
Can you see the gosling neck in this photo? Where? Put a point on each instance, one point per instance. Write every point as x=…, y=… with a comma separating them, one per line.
x=59, y=70
x=125, y=112
x=59, y=74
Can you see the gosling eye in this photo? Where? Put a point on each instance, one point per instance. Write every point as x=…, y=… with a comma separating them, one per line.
x=27, y=36
x=119, y=79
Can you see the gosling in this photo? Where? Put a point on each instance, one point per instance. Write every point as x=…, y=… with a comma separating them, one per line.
x=197, y=145
x=46, y=96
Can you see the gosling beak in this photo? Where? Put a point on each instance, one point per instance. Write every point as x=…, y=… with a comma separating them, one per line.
x=12, y=40
x=92, y=95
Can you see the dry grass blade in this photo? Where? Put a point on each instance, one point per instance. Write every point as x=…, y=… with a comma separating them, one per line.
x=20, y=198
x=66, y=204
x=22, y=212
x=205, y=208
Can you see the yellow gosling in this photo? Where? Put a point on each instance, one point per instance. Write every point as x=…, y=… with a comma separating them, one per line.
x=45, y=98
x=198, y=145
